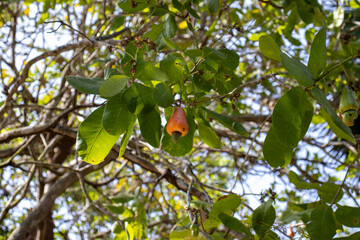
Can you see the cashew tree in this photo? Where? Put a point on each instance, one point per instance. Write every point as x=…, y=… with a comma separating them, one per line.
x=179, y=119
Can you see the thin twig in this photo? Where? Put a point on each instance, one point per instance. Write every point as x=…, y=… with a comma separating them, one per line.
x=247, y=153
x=343, y=182
x=95, y=205
x=67, y=25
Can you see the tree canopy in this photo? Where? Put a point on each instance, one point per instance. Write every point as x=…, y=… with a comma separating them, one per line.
x=179, y=119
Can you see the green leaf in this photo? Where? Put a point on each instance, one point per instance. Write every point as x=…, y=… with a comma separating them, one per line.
x=113, y=86
x=329, y=114
x=354, y=236
x=194, y=54
x=213, y=5
x=275, y=152
x=263, y=218
x=207, y=134
x=93, y=143
x=132, y=6
x=327, y=192
x=170, y=27
x=171, y=44
x=147, y=73
x=125, y=139
x=224, y=57
x=348, y=216
x=159, y=10
x=337, y=126
x=322, y=224
x=163, y=95
x=178, y=5
x=132, y=100
x=187, y=5
x=116, y=228
x=227, y=122
x=116, y=117
x=133, y=57
x=296, y=68
x=150, y=127
x=86, y=85
x=156, y=31
x=174, y=66
x=109, y=72
x=234, y=224
x=202, y=82
x=300, y=183
x=184, y=144
x=184, y=234
x=191, y=28
x=292, y=116
x=269, y=48
x=270, y=235
x=354, y=47
x=115, y=208
x=226, y=204
x=138, y=98
x=305, y=10
x=117, y=22
x=317, y=59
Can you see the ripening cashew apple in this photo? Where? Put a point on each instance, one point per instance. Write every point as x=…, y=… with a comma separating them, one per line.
x=177, y=125
x=348, y=107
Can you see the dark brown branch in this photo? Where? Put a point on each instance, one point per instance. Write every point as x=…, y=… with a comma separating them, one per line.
x=46, y=203
x=30, y=130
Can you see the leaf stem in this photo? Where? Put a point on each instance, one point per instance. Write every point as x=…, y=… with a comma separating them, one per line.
x=343, y=182
x=332, y=68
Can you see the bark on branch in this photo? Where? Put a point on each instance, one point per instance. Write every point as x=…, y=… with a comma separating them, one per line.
x=67, y=180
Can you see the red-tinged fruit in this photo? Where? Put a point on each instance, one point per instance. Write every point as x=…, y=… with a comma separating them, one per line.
x=348, y=107
x=177, y=125
x=290, y=232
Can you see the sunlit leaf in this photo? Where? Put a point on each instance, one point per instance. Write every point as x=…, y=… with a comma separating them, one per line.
x=93, y=142
x=207, y=134
x=269, y=48
x=226, y=204
x=147, y=73
x=113, y=85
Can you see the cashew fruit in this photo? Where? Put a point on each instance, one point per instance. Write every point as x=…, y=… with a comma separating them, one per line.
x=177, y=125
x=348, y=106
x=194, y=229
x=348, y=117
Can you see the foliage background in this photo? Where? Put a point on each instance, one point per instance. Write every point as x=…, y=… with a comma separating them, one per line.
x=207, y=55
